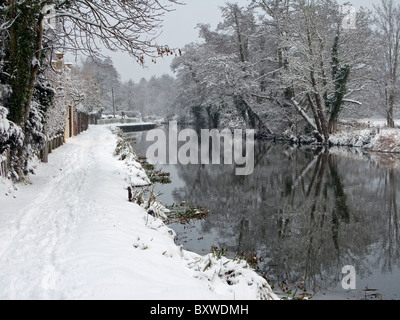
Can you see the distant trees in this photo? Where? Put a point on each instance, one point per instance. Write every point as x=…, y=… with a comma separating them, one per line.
x=107, y=78
x=129, y=96
x=153, y=97
x=96, y=86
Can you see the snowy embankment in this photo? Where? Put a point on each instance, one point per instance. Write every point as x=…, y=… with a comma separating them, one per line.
x=383, y=140
x=72, y=234
x=368, y=134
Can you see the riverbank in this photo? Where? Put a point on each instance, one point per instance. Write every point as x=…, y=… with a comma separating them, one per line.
x=367, y=135
x=383, y=140
x=73, y=234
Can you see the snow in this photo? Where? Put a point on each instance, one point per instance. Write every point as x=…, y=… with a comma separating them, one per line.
x=35, y=62
x=354, y=138
x=376, y=122
x=8, y=129
x=377, y=140
x=4, y=124
x=72, y=234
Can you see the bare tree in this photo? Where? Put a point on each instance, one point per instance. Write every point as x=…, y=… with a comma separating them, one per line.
x=130, y=26
x=388, y=23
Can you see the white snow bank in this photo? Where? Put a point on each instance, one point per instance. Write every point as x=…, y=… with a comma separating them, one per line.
x=72, y=234
x=378, y=140
x=354, y=138
x=135, y=174
x=371, y=122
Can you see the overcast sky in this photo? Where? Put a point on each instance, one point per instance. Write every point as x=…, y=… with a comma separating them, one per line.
x=180, y=29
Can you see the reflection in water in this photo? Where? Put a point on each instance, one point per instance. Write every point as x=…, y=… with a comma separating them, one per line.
x=308, y=212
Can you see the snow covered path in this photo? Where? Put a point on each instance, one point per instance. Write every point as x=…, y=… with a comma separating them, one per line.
x=72, y=234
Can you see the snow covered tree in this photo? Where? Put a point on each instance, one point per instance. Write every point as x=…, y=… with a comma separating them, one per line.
x=89, y=101
x=299, y=59
x=387, y=64
x=56, y=112
x=186, y=66
x=141, y=95
x=199, y=91
x=323, y=62
x=160, y=95
x=71, y=85
x=129, y=96
x=108, y=80
x=10, y=134
x=220, y=76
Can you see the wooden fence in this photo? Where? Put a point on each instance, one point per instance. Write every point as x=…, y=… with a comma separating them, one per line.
x=50, y=146
x=77, y=122
x=81, y=123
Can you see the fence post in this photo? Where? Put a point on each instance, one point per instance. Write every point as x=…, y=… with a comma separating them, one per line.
x=45, y=153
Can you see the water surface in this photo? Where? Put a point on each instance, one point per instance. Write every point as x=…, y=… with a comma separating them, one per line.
x=305, y=212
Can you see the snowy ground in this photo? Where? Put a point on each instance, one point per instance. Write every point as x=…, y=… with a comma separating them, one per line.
x=72, y=234
x=368, y=134
x=383, y=140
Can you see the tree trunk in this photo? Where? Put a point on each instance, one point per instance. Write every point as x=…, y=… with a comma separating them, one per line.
x=35, y=69
x=332, y=126
x=390, y=117
x=252, y=114
x=239, y=35
x=321, y=116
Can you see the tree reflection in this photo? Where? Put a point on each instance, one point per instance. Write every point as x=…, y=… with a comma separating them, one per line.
x=391, y=241
x=307, y=212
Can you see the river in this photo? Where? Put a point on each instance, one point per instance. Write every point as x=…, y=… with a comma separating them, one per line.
x=304, y=212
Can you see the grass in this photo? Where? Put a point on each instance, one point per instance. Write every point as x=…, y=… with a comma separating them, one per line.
x=159, y=177
x=183, y=213
x=287, y=291
x=252, y=259
x=155, y=176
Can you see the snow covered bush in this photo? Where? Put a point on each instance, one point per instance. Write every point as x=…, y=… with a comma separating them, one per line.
x=237, y=274
x=11, y=137
x=10, y=133
x=136, y=175
x=34, y=130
